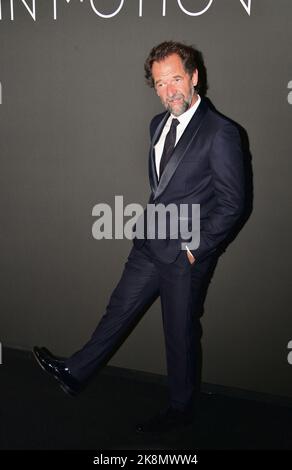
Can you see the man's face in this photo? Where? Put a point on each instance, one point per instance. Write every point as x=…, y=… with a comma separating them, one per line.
x=173, y=84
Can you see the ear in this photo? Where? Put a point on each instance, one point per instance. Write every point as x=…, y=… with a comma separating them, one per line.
x=195, y=77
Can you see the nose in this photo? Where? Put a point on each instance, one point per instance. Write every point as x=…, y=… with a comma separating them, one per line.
x=170, y=90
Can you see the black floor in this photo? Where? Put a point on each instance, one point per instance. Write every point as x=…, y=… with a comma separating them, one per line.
x=36, y=414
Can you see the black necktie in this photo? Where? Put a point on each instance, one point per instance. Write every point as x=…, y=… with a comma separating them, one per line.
x=168, y=145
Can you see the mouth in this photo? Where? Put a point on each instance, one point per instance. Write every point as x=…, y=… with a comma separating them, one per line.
x=175, y=100
x=175, y=104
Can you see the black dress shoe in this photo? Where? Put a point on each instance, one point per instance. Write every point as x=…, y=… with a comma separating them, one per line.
x=167, y=420
x=56, y=368
x=51, y=355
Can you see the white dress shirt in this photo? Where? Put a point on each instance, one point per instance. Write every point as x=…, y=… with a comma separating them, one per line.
x=183, y=119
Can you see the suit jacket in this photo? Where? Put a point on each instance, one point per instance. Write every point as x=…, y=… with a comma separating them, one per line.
x=206, y=168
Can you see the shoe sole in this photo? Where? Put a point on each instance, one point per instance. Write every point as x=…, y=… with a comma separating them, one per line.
x=38, y=361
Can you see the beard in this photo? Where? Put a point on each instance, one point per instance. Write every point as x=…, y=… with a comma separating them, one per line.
x=184, y=103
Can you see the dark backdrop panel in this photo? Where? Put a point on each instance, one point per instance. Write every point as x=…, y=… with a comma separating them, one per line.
x=74, y=132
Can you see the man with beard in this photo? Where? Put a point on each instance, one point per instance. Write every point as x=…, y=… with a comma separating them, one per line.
x=195, y=158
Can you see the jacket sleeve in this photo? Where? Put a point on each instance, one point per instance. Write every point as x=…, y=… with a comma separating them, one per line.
x=227, y=169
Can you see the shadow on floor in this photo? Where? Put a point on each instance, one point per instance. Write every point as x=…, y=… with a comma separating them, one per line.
x=36, y=414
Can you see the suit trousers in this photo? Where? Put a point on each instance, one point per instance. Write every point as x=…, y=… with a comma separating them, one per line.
x=182, y=288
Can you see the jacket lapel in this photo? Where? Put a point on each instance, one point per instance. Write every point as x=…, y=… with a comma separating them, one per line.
x=152, y=167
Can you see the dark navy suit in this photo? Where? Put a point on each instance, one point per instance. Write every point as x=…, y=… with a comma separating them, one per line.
x=205, y=168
